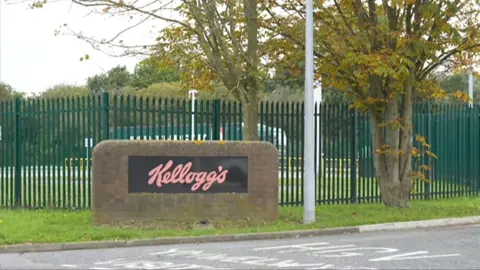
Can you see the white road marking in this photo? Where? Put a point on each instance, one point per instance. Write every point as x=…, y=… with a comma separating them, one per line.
x=326, y=266
x=110, y=262
x=143, y=264
x=292, y=263
x=323, y=249
x=410, y=256
x=329, y=248
x=250, y=260
x=300, y=247
x=69, y=265
x=256, y=260
x=345, y=252
x=355, y=268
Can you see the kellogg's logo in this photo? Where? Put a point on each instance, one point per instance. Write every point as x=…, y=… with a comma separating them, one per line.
x=162, y=174
x=158, y=174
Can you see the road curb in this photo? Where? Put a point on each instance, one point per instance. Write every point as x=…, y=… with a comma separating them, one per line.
x=447, y=222
x=432, y=223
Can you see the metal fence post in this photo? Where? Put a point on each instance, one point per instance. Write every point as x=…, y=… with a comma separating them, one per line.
x=475, y=149
x=106, y=116
x=18, y=159
x=216, y=120
x=353, y=158
x=429, y=136
x=471, y=149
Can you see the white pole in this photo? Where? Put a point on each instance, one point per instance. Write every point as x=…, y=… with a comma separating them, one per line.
x=192, y=136
x=317, y=96
x=192, y=94
x=309, y=138
x=470, y=88
x=88, y=145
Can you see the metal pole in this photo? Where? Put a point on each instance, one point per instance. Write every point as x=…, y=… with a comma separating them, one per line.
x=470, y=88
x=192, y=94
x=309, y=138
x=192, y=136
x=193, y=118
x=317, y=96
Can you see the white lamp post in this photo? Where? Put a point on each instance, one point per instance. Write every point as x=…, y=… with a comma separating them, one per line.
x=193, y=95
x=309, y=138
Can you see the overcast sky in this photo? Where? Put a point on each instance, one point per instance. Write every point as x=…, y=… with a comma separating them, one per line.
x=33, y=59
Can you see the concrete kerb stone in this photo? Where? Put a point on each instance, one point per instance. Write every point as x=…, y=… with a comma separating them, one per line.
x=24, y=248
x=238, y=237
x=461, y=221
x=97, y=245
x=180, y=240
x=446, y=222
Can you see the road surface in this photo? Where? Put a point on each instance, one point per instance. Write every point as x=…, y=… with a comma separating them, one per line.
x=446, y=248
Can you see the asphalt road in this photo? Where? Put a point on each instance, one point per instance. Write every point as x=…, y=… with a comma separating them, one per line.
x=446, y=248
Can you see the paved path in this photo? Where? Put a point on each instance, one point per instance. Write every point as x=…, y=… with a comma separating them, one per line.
x=447, y=248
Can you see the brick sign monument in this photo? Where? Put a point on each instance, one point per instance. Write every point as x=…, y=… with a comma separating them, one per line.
x=184, y=181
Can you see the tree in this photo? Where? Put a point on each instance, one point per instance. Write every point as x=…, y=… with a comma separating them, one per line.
x=65, y=90
x=114, y=81
x=458, y=82
x=216, y=40
x=7, y=92
x=383, y=53
x=98, y=83
x=150, y=71
x=291, y=76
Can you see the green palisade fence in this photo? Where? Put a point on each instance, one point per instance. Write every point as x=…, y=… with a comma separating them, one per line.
x=46, y=145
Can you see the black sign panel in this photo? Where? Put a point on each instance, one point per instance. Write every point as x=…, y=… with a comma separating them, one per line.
x=187, y=174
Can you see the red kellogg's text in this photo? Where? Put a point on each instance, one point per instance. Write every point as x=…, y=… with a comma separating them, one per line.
x=162, y=174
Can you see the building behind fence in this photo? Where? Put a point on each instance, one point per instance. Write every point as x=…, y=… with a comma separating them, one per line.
x=46, y=145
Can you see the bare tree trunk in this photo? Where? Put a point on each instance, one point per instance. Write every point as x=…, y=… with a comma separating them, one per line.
x=394, y=145
x=250, y=118
x=250, y=110
x=394, y=177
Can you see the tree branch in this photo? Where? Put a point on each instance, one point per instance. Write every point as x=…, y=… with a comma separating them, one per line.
x=427, y=70
x=345, y=21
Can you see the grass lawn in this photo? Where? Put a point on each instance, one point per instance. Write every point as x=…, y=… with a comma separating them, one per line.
x=77, y=194
x=49, y=193
x=47, y=226
x=342, y=189
x=57, y=191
